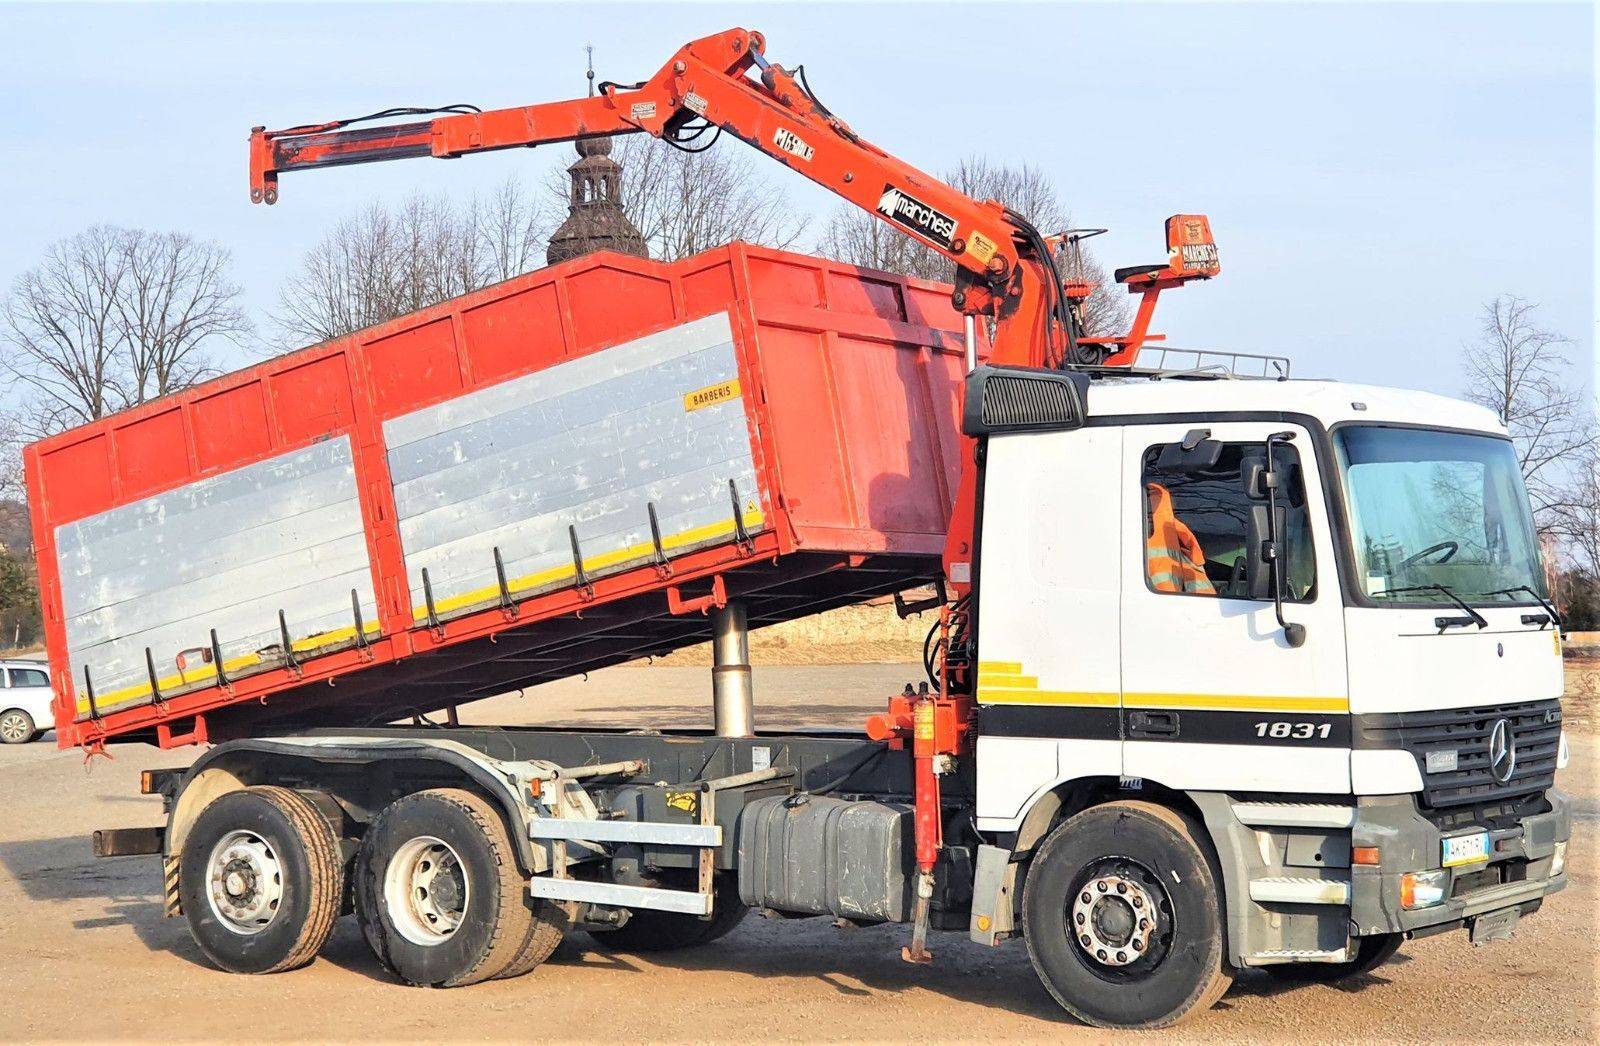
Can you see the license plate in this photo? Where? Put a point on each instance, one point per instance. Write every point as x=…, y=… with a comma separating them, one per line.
x=1496, y=926
x=1464, y=849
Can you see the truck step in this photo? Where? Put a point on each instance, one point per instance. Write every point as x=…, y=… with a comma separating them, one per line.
x=621, y=896
x=659, y=832
x=1287, y=890
x=1295, y=815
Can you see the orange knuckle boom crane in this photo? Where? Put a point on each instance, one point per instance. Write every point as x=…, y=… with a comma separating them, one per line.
x=1159, y=760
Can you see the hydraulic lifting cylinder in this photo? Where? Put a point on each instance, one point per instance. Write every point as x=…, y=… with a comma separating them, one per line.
x=733, y=700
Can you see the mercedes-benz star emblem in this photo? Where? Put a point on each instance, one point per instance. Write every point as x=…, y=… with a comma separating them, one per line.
x=1502, y=751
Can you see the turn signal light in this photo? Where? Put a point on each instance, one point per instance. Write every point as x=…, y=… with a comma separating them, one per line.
x=1364, y=855
x=147, y=782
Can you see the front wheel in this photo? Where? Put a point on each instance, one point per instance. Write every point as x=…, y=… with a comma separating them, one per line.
x=1123, y=919
x=16, y=727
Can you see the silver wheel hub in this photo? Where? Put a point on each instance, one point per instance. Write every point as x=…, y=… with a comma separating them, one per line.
x=13, y=728
x=1113, y=919
x=244, y=882
x=426, y=891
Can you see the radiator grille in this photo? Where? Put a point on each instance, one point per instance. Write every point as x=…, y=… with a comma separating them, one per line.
x=1535, y=729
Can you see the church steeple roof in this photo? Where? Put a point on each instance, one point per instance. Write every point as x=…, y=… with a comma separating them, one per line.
x=596, y=220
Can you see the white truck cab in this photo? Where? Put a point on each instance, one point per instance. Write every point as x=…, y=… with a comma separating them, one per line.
x=1370, y=754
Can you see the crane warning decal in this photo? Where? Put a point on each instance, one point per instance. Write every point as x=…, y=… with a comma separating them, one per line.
x=904, y=209
x=711, y=395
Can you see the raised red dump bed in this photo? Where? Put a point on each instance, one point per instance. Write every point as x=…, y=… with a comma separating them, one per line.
x=520, y=484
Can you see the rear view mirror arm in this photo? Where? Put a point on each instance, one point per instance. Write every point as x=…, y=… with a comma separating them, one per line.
x=1293, y=631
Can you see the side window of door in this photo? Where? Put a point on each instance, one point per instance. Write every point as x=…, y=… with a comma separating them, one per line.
x=1197, y=523
x=21, y=677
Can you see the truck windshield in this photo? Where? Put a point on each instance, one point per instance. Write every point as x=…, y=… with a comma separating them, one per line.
x=1431, y=508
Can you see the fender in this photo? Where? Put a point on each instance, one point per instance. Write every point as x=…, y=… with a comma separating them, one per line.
x=234, y=765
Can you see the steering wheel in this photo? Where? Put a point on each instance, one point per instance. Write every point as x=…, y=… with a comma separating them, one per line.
x=1453, y=548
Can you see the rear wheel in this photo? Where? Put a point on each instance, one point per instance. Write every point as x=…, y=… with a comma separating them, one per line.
x=16, y=727
x=648, y=930
x=260, y=878
x=1123, y=920
x=1371, y=953
x=545, y=930
x=438, y=891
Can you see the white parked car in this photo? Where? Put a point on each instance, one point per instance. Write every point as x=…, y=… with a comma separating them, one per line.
x=25, y=697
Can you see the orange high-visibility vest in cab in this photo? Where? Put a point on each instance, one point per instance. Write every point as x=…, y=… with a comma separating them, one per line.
x=1174, y=560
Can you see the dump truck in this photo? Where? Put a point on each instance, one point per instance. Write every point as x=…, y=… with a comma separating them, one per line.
x=1223, y=672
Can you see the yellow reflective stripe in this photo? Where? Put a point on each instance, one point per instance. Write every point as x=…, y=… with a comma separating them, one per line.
x=1076, y=698
x=1238, y=702
x=1007, y=680
x=693, y=536
x=207, y=672
x=1005, y=668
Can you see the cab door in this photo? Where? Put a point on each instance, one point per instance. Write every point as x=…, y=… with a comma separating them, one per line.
x=1214, y=696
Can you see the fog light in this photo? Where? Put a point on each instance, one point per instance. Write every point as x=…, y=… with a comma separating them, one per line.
x=1558, y=860
x=1563, y=753
x=1423, y=889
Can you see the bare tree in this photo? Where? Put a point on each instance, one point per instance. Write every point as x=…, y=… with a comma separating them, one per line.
x=854, y=236
x=10, y=458
x=1519, y=370
x=113, y=317
x=687, y=202
x=1579, y=515
x=387, y=261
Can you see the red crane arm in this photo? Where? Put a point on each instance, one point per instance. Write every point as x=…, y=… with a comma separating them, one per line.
x=1004, y=269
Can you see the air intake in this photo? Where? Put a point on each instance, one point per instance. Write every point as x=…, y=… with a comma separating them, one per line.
x=1020, y=400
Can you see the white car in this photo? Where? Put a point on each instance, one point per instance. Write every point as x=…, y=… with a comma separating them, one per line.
x=25, y=697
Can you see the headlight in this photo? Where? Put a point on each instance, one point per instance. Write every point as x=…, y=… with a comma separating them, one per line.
x=1423, y=889
x=1563, y=752
x=1558, y=860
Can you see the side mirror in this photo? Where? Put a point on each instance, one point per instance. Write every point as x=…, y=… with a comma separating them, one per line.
x=1197, y=453
x=1263, y=568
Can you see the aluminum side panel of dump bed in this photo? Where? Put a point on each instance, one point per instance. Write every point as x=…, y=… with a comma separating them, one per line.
x=541, y=478
x=604, y=461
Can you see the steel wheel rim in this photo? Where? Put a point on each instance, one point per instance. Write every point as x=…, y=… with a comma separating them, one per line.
x=426, y=891
x=1120, y=920
x=244, y=882
x=13, y=727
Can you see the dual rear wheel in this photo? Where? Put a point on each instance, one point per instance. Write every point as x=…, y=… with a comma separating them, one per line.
x=436, y=887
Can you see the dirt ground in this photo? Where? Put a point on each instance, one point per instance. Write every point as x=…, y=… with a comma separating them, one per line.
x=86, y=954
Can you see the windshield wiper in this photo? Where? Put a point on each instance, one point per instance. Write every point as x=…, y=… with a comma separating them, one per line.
x=1528, y=619
x=1442, y=623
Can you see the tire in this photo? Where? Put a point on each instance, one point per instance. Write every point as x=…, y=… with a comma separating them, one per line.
x=260, y=878
x=438, y=891
x=1100, y=871
x=17, y=728
x=1371, y=953
x=545, y=930
x=648, y=930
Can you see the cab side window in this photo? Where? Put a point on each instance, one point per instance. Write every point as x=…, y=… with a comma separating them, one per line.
x=1197, y=524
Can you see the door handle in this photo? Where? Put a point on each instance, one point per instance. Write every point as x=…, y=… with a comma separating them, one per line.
x=1152, y=724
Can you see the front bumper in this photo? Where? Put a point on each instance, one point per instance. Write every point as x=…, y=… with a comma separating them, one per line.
x=1517, y=875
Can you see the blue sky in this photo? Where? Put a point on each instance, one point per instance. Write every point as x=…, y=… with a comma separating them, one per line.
x=1373, y=173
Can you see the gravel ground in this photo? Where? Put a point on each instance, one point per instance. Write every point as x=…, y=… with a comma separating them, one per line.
x=86, y=953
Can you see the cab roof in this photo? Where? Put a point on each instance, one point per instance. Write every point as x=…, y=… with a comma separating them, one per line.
x=1330, y=402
